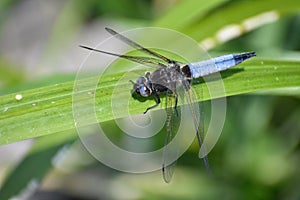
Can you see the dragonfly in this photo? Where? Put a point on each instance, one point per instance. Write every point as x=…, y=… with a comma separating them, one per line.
x=173, y=78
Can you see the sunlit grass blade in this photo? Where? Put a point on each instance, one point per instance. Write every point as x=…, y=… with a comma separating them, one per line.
x=215, y=22
x=187, y=12
x=48, y=110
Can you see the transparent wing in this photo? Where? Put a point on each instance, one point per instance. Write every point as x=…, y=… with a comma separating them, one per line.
x=138, y=46
x=158, y=61
x=152, y=62
x=170, y=151
x=197, y=118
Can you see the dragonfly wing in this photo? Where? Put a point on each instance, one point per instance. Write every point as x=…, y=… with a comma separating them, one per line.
x=152, y=62
x=137, y=46
x=197, y=119
x=171, y=151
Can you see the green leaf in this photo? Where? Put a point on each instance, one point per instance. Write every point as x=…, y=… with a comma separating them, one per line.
x=187, y=11
x=48, y=110
x=32, y=169
x=218, y=21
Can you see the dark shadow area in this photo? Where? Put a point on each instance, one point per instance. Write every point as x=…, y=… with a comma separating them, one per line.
x=141, y=98
x=212, y=77
x=230, y=72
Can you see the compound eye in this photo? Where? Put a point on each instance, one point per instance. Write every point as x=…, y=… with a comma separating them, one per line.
x=144, y=91
x=140, y=80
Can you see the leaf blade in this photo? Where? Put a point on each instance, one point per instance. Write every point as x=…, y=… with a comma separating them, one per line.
x=48, y=110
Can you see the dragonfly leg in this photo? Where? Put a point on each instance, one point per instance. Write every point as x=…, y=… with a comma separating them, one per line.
x=176, y=101
x=157, y=103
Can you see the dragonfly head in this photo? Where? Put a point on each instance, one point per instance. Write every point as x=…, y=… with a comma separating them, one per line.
x=141, y=87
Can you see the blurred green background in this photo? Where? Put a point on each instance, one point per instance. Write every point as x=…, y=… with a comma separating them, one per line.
x=257, y=155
